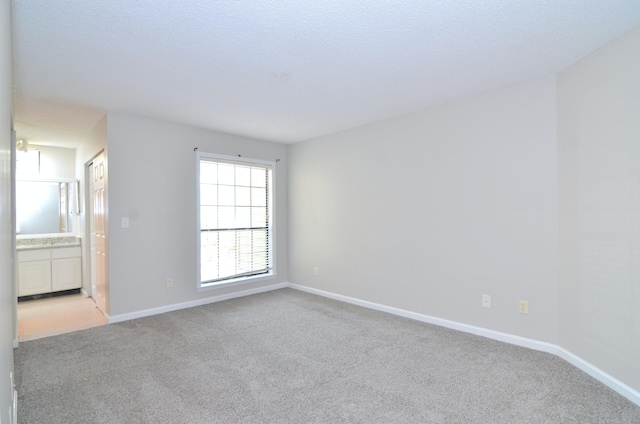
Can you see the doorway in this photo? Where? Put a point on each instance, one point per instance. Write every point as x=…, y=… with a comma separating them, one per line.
x=48, y=313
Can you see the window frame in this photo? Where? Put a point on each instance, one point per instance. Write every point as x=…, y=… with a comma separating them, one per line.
x=271, y=228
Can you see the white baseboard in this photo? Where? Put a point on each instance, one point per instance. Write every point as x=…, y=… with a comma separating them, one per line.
x=15, y=343
x=491, y=334
x=595, y=372
x=609, y=381
x=177, y=306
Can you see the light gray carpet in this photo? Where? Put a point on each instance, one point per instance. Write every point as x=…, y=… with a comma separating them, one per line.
x=291, y=357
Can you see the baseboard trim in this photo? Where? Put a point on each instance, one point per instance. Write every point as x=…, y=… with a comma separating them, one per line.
x=606, y=379
x=479, y=331
x=16, y=343
x=177, y=306
x=595, y=372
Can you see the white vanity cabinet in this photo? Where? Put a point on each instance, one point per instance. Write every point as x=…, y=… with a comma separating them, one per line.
x=34, y=272
x=66, y=268
x=49, y=270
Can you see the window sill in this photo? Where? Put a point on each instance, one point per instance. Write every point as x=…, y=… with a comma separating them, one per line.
x=236, y=282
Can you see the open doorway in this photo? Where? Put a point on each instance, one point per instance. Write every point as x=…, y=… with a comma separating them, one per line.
x=53, y=285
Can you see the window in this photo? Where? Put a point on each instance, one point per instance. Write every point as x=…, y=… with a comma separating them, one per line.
x=235, y=219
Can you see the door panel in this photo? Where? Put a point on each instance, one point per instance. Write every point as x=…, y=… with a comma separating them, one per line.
x=99, y=233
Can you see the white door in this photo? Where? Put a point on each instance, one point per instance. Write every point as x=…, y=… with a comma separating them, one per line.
x=99, y=233
x=92, y=230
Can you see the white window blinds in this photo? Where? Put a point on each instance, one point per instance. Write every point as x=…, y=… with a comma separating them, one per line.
x=234, y=219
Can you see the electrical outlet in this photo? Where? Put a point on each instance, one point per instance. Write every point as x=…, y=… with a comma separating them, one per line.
x=486, y=301
x=316, y=271
x=523, y=306
x=169, y=283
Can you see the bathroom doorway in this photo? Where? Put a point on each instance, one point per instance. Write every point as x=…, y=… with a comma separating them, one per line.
x=53, y=262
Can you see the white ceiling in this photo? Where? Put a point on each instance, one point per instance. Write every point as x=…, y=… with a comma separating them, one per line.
x=285, y=70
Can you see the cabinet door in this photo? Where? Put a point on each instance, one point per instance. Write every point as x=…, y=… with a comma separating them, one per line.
x=66, y=274
x=34, y=277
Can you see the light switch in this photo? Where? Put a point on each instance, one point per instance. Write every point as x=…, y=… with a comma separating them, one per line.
x=124, y=222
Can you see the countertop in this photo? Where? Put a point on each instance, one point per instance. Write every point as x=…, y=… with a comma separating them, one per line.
x=32, y=243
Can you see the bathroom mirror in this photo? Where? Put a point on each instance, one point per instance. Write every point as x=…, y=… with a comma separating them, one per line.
x=45, y=206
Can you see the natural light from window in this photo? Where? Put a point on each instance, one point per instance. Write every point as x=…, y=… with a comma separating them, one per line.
x=235, y=219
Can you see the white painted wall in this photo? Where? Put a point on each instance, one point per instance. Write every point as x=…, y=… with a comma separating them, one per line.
x=56, y=162
x=7, y=295
x=427, y=212
x=599, y=208
x=152, y=181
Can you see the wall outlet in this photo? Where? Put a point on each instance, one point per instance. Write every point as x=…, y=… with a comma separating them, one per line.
x=486, y=301
x=316, y=271
x=169, y=283
x=523, y=306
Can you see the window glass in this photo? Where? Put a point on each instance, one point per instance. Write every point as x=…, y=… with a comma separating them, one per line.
x=235, y=219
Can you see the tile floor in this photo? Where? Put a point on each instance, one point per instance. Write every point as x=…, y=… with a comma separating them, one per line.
x=57, y=315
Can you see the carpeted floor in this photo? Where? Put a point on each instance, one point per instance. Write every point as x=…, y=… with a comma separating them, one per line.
x=291, y=357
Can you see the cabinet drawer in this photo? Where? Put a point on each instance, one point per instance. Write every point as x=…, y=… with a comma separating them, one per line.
x=65, y=252
x=34, y=255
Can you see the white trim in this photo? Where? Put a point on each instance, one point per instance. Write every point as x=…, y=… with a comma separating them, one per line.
x=15, y=343
x=237, y=281
x=479, y=331
x=595, y=372
x=177, y=306
x=272, y=230
x=606, y=379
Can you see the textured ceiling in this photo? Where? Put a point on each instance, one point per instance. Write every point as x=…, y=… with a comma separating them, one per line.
x=285, y=70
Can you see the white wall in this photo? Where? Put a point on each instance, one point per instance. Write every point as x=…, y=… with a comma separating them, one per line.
x=429, y=211
x=599, y=164
x=152, y=181
x=7, y=295
x=56, y=162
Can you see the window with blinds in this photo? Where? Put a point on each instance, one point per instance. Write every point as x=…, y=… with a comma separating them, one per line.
x=235, y=219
